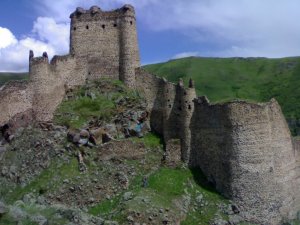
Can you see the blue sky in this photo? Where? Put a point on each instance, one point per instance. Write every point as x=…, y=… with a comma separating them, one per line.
x=167, y=29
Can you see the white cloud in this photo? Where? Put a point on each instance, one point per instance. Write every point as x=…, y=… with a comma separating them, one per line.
x=185, y=54
x=6, y=38
x=53, y=33
x=47, y=35
x=244, y=27
x=15, y=57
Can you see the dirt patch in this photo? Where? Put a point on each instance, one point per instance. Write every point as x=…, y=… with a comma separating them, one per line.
x=125, y=149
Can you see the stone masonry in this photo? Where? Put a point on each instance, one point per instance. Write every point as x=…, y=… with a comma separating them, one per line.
x=245, y=149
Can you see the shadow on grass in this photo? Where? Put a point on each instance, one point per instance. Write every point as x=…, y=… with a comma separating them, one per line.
x=202, y=181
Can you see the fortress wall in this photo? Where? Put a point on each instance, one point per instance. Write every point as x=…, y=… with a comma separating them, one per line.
x=211, y=143
x=72, y=71
x=163, y=103
x=287, y=178
x=152, y=89
x=246, y=151
x=171, y=108
x=296, y=145
x=48, y=88
x=16, y=98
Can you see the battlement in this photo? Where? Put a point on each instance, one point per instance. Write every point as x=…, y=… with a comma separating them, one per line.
x=95, y=13
x=38, y=60
x=60, y=59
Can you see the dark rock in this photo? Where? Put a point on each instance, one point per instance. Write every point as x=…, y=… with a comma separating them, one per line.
x=235, y=209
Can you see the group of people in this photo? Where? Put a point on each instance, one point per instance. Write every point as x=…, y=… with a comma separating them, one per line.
x=138, y=126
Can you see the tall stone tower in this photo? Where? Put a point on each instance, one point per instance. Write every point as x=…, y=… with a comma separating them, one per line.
x=106, y=42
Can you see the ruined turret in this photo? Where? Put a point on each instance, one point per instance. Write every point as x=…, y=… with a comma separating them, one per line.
x=31, y=55
x=47, y=88
x=187, y=95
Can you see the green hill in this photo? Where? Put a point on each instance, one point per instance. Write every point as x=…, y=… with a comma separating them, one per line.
x=4, y=77
x=254, y=79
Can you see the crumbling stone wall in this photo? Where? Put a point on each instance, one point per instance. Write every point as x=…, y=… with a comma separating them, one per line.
x=15, y=98
x=246, y=150
x=48, y=89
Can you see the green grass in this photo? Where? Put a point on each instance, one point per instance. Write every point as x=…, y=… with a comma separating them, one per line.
x=32, y=210
x=255, y=79
x=105, y=207
x=50, y=179
x=150, y=140
x=77, y=112
x=166, y=186
x=5, y=77
x=169, y=182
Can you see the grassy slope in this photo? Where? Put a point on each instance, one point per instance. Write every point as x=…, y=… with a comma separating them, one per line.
x=4, y=77
x=257, y=79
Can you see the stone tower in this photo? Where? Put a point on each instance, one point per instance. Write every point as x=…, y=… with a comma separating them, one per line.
x=187, y=95
x=178, y=108
x=106, y=42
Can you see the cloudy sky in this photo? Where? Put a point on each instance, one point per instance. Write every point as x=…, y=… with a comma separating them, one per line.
x=167, y=29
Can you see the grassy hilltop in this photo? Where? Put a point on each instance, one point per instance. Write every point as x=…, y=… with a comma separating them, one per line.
x=254, y=79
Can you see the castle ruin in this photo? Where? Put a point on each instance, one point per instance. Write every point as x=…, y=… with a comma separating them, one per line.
x=245, y=149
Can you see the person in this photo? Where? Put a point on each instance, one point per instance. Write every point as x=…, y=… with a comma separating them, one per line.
x=143, y=117
x=140, y=124
x=145, y=182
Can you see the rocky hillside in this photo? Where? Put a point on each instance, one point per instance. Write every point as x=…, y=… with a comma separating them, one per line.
x=99, y=163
